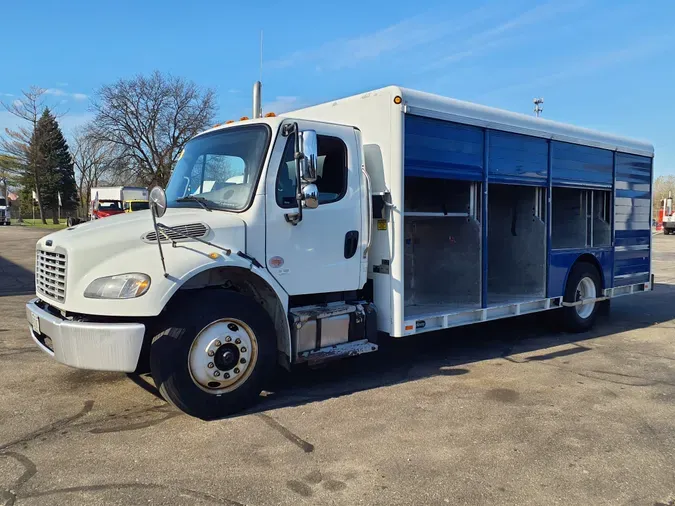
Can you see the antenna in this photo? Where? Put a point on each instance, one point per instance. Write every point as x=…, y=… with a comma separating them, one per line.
x=538, y=109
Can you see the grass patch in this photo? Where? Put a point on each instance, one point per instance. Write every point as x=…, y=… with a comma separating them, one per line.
x=37, y=223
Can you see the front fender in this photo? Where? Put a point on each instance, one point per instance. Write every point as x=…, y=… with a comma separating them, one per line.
x=251, y=280
x=231, y=261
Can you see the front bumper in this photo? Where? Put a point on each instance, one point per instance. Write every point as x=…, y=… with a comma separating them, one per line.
x=86, y=345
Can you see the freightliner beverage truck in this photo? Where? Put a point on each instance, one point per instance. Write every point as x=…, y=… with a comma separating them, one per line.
x=315, y=235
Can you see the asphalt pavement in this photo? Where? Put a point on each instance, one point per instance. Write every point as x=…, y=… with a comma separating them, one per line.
x=512, y=412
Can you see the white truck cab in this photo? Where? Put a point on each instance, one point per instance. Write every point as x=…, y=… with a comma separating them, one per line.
x=283, y=240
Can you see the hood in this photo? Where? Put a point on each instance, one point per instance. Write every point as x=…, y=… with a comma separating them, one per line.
x=118, y=244
x=118, y=231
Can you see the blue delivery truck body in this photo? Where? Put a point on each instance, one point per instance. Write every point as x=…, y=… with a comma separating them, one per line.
x=483, y=214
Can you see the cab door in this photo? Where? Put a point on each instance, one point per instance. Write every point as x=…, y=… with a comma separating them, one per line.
x=323, y=252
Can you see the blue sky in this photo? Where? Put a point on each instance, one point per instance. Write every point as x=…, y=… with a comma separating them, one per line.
x=601, y=64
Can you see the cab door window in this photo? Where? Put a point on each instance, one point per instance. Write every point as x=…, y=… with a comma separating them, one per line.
x=331, y=172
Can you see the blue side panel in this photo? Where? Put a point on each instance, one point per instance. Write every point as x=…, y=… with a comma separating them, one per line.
x=632, y=264
x=441, y=149
x=632, y=238
x=517, y=159
x=562, y=261
x=632, y=219
x=581, y=166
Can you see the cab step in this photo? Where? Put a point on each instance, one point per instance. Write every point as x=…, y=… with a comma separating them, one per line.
x=334, y=330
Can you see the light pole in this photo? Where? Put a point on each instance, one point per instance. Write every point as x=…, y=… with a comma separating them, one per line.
x=538, y=109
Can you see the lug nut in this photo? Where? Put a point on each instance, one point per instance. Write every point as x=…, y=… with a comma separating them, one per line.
x=216, y=374
x=228, y=339
x=243, y=349
x=236, y=370
x=237, y=341
x=226, y=375
x=211, y=353
x=242, y=361
x=217, y=343
x=211, y=365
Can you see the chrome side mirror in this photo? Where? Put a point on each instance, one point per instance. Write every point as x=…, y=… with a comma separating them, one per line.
x=309, y=150
x=310, y=196
x=157, y=201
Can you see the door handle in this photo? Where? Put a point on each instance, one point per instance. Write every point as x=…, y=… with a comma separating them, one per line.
x=351, y=243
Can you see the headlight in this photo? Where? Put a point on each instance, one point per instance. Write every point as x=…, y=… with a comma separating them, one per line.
x=122, y=286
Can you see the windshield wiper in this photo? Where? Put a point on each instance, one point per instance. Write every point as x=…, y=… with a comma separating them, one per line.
x=199, y=200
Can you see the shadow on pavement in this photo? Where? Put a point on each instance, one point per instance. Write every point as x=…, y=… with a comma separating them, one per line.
x=452, y=352
x=15, y=279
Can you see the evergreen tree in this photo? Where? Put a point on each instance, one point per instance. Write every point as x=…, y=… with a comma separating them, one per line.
x=53, y=172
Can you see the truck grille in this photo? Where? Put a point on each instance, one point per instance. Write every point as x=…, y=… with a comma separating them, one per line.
x=50, y=275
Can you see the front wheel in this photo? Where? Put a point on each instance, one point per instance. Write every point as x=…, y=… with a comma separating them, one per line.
x=215, y=354
x=583, y=284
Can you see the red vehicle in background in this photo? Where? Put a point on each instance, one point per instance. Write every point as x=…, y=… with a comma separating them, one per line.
x=108, y=201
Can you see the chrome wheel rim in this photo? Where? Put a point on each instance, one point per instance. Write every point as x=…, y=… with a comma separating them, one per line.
x=223, y=356
x=585, y=290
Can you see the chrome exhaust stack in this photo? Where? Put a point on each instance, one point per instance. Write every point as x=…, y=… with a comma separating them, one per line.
x=257, y=100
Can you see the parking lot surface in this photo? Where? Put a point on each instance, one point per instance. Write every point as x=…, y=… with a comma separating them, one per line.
x=511, y=412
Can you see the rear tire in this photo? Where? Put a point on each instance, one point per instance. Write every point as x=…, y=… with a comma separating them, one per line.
x=195, y=362
x=583, y=283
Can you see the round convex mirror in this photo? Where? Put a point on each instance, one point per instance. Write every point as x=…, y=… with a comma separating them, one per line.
x=158, y=201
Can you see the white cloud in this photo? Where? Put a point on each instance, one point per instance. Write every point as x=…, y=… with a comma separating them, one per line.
x=282, y=104
x=533, y=16
x=233, y=90
x=505, y=32
x=17, y=103
x=434, y=39
x=641, y=48
x=6, y=95
x=62, y=85
x=57, y=92
x=408, y=34
x=68, y=123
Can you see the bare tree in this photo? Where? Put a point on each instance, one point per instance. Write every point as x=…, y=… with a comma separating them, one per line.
x=151, y=118
x=96, y=162
x=16, y=143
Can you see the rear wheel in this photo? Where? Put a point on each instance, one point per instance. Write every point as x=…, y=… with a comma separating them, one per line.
x=583, y=284
x=215, y=354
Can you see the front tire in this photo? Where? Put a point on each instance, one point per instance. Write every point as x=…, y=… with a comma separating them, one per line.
x=215, y=355
x=583, y=283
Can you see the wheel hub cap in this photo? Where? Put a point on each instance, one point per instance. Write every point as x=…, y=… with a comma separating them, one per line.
x=227, y=357
x=222, y=356
x=585, y=290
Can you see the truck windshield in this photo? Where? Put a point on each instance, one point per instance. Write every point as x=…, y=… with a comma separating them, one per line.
x=221, y=167
x=3, y=203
